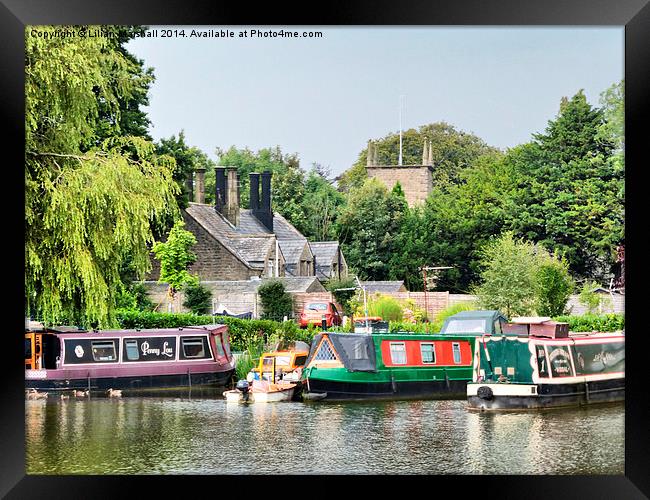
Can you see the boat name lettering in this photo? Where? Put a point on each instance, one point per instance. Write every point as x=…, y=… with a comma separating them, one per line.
x=604, y=357
x=166, y=351
x=557, y=352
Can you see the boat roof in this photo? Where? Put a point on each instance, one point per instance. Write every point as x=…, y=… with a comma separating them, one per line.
x=487, y=314
x=71, y=333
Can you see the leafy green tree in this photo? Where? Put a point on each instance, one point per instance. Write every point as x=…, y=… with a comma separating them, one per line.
x=188, y=158
x=554, y=286
x=452, y=150
x=570, y=193
x=509, y=276
x=588, y=297
x=453, y=224
x=198, y=299
x=321, y=204
x=276, y=302
x=367, y=227
x=175, y=257
x=132, y=120
x=88, y=204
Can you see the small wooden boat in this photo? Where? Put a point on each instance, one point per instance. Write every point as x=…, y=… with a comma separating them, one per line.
x=260, y=391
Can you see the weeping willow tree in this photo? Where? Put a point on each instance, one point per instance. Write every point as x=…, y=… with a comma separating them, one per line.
x=90, y=203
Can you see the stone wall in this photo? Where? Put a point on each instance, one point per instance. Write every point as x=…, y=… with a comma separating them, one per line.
x=416, y=181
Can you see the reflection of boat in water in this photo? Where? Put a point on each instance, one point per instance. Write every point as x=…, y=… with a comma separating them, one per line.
x=539, y=364
x=67, y=359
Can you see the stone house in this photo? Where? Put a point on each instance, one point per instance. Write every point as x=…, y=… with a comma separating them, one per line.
x=330, y=262
x=235, y=244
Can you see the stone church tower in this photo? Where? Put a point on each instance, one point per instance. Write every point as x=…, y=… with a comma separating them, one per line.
x=416, y=180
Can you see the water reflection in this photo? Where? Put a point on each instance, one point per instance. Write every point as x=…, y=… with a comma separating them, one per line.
x=188, y=435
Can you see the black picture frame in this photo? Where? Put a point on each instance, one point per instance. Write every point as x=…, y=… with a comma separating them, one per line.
x=634, y=15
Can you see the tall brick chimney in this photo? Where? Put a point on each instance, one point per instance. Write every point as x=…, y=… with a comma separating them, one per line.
x=264, y=213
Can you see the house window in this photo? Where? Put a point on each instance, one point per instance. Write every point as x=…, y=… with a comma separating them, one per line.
x=456, y=350
x=398, y=353
x=193, y=347
x=428, y=352
x=104, y=350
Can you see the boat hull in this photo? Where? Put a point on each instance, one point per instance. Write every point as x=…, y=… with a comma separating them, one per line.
x=499, y=397
x=340, y=391
x=136, y=383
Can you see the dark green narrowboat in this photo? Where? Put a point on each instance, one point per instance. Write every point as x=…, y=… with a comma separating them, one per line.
x=345, y=366
x=546, y=366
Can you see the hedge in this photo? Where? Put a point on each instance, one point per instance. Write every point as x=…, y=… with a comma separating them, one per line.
x=243, y=332
x=594, y=322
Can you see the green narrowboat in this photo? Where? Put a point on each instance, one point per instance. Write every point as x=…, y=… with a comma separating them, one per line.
x=346, y=366
x=543, y=365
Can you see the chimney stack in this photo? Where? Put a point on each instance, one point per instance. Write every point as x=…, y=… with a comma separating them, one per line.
x=232, y=198
x=220, y=189
x=425, y=156
x=369, y=155
x=255, y=191
x=199, y=191
x=264, y=213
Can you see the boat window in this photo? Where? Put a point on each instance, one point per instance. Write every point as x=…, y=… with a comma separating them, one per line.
x=398, y=353
x=131, y=350
x=466, y=326
x=193, y=347
x=542, y=362
x=103, y=350
x=325, y=352
x=456, y=349
x=428, y=352
x=300, y=360
x=217, y=342
x=28, y=348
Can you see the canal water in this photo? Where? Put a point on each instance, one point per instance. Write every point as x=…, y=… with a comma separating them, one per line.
x=190, y=435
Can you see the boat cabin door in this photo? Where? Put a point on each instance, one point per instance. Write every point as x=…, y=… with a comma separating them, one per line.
x=33, y=351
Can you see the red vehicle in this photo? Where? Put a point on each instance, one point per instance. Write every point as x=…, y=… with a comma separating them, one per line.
x=315, y=312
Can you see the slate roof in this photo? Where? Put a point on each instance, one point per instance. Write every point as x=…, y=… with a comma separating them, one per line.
x=292, y=250
x=324, y=251
x=253, y=248
x=250, y=241
x=292, y=284
x=383, y=286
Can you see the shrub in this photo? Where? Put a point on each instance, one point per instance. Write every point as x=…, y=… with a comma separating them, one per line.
x=198, y=299
x=343, y=297
x=244, y=333
x=385, y=306
x=276, y=302
x=594, y=322
x=555, y=285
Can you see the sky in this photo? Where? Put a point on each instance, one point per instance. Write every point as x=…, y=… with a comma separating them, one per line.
x=325, y=97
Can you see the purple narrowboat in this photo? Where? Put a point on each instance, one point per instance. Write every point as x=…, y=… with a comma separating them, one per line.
x=61, y=359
